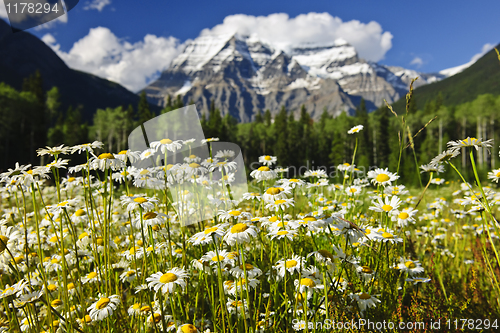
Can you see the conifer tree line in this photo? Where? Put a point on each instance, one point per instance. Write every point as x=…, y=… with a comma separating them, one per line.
x=33, y=118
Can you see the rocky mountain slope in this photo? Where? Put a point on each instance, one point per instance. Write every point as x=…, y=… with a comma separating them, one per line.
x=243, y=74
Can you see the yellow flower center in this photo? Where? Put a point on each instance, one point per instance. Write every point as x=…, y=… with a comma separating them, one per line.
x=366, y=270
x=145, y=308
x=307, y=282
x=188, y=329
x=282, y=232
x=156, y=318
x=56, y=302
x=274, y=190
x=235, y=213
x=217, y=258
x=168, y=278
x=54, y=261
x=240, y=227
x=210, y=230
x=410, y=264
x=123, y=152
x=326, y=254
x=264, y=168
x=53, y=239
x=165, y=141
x=290, y=263
x=3, y=242
x=150, y=215
x=403, y=215
x=194, y=165
x=106, y=156
x=80, y=212
x=382, y=178
x=52, y=287
x=387, y=235
x=71, y=285
x=267, y=158
x=364, y=296
x=140, y=200
x=99, y=241
x=387, y=208
x=83, y=235
x=130, y=273
x=91, y=275
x=102, y=303
x=498, y=174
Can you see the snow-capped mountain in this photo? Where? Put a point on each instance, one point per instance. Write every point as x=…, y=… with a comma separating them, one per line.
x=243, y=74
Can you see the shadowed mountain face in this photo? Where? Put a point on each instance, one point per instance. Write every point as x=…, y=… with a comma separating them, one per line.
x=21, y=54
x=243, y=74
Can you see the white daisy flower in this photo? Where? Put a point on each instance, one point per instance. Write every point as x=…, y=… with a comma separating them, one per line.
x=387, y=205
x=241, y=233
x=365, y=301
x=263, y=173
x=355, y=129
x=382, y=176
x=282, y=204
x=470, y=142
x=166, y=144
x=104, y=307
x=169, y=281
x=412, y=267
x=267, y=160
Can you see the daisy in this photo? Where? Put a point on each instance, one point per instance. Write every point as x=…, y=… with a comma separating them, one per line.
x=224, y=165
x=268, y=160
x=445, y=156
x=437, y=181
x=166, y=144
x=387, y=236
x=382, y=176
x=88, y=147
x=212, y=258
x=134, y=202
x=470, y=142
x=417, y=280
x=292, y=182
x=365, y=300
x=263, y=173
x=187, y=328
x=91, y=277
x=104, y=307
x=252, y=196
x=355, y=129
x=243, y=284
x=404, y=217
x=209, y=140
x=106, y=161
x=241, y=233
x=315, y=173
x=54, y=151
x=281, y=234
x=307, y=283
x=169, y=281
x=252, y=271
x=353, y=190
x=494, y=175
x=233, y=214
x=293, y=265
x=238, y=307
x=412, y=267
x=387, y=205
x=280, y=204
x=205, y=237
x=128, y=155
x=437, y=168
x=224, y=154
x=276, y=193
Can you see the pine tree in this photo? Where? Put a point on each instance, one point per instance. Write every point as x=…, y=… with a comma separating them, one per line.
x=383, y=148
x=363, y=155
x=258, y=117
x=281, y=143
x=267, y=118
x=143, y=111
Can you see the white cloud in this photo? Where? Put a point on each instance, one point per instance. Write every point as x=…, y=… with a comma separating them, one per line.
x=369, y=39
x=417, y=61
x=96, y=4
x=104, y=54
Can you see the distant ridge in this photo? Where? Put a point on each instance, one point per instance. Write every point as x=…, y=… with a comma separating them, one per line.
x=482, y=77
x=21, y=54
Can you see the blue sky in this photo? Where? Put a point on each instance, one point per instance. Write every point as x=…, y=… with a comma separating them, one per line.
x=424, y=35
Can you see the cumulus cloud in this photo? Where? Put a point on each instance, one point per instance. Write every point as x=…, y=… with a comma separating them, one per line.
x=369, y=39
x=96, y=4
x=417, y=61
x=103, y=54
